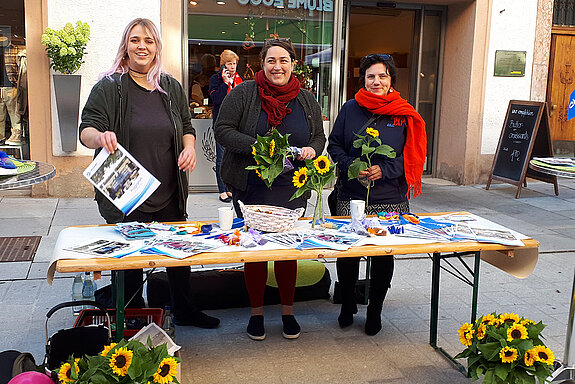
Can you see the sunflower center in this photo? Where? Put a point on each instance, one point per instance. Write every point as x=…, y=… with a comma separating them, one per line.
x=164, y=370
x=321, y=164
x=543, y=356
x=120, y=361
x=301, y=178
x=516, y=334
x=508, y=353
x=68, y=373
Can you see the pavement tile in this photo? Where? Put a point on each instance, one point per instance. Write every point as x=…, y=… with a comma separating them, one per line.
x=14, y=270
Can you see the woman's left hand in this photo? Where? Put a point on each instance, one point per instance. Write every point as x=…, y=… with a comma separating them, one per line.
x=307, y=153
x=187, y=159
x=372, y=173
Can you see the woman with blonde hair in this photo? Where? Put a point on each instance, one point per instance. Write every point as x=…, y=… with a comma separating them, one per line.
x=221, y=84
x=138, y=105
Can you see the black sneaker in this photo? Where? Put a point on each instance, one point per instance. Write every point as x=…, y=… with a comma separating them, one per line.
x=291, y=327
x=256, y=330
x=197, y=319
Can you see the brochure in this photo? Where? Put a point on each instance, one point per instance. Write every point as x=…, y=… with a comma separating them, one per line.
x=106, y=248
x=121, y=179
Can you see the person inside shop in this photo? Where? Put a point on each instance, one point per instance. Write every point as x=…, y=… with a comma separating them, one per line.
x=136, y=104
x=379, y=106
x=9, y=72
x=221, y=84
x=273, y=100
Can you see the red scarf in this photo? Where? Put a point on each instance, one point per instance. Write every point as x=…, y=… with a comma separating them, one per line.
x=237, y=80
x=275, y=98
x=416, y=142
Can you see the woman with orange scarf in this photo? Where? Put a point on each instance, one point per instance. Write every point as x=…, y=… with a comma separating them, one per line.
x=380, y=107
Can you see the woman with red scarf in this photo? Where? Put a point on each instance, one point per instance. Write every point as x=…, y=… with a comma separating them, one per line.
x=273, y=100
x=376, y=105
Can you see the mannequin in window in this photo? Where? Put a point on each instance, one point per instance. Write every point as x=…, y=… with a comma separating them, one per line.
x=8, y=79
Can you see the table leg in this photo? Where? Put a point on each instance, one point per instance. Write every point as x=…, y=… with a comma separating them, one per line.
x=435, y=269
x=567, y=368
x=475, y=287
x=118, y=289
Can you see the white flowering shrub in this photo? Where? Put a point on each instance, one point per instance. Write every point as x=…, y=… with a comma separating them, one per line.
x=66, y=47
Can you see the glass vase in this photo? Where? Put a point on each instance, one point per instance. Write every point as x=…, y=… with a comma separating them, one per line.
x=318, y=216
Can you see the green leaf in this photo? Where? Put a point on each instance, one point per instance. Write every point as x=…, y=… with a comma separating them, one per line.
x=355, y=168
x=365, y=150
x=298, y=193
x=358, y=143
x=502, y=370
x=489, y=350
x=386, y=150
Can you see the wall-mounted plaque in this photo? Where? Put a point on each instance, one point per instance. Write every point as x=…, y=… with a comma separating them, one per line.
x=510, y=63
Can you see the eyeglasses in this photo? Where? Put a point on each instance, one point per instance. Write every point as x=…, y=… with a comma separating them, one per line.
x=377, y=56
x=282, y=39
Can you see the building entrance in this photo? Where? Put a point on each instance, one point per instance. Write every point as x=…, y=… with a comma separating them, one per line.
x=412, y=36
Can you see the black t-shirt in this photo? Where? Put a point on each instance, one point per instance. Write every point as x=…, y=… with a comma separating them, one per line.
x=152, y=143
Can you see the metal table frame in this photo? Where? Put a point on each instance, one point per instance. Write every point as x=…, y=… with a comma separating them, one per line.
x=40, y=173
x=566, y=368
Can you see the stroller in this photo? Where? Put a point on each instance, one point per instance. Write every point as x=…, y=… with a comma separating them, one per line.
x=77, y=341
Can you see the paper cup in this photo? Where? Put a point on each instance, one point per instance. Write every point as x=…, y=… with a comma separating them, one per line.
x=226, y=218
x=357, y=209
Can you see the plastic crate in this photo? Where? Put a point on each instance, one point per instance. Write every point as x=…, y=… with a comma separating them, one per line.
x=135, y=319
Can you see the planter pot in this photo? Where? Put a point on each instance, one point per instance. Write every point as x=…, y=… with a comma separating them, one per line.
x=67, y=92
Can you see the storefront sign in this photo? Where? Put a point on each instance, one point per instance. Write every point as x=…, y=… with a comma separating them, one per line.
x=311, y=5
x=571, y=110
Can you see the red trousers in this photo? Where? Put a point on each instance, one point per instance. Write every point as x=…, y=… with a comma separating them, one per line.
x=256, y=275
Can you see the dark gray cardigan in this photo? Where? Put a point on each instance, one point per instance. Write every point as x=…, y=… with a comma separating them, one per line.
x=235, y=129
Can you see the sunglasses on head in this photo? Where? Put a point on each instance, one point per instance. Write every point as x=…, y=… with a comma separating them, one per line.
x=378, y=56
x=282, y=39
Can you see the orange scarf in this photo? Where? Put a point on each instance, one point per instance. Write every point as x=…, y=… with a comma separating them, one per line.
x=415, y=148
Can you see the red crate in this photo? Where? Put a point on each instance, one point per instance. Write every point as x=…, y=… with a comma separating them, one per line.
x=135, y=319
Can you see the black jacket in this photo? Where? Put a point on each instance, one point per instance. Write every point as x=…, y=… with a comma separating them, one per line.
x=108, y=109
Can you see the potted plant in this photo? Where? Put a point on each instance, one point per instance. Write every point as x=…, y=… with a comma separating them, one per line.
x=506, y=349
x=126, y=362
x=66, y=48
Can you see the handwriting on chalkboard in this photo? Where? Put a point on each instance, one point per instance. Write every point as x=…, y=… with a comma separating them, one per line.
x=523, y=112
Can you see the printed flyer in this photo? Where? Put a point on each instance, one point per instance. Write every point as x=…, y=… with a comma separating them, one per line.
x=121, y=179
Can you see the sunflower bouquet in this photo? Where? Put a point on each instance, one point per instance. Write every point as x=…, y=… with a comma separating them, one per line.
x=271, y=154
x=370, y=145
x=128, y=362
x=313, y=177
x=505, y=349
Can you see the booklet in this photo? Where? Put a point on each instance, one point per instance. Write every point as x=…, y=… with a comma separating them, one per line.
x=121, y=179
x=106, y=248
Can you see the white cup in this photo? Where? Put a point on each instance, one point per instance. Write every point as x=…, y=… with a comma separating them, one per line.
x=357, y=208
x=226, y=217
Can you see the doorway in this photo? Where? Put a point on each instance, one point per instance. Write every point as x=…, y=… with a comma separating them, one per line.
x=560, y=85
x=412, y=36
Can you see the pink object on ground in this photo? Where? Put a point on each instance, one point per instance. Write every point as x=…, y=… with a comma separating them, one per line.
x=31, y=377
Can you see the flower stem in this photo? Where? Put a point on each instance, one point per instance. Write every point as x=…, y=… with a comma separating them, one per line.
x=318, y=212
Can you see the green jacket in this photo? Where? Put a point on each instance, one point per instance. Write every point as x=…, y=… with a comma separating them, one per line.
x=108, y=109
x=235, y=129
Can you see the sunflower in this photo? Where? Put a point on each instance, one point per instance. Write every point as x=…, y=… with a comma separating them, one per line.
x=529, y=358
x=300, y=177
x=517, y=331
x=322, y=164
x=526, y=322
x=487, y=319
x=272, y=147
x=509, y=318
x=120, y=361
x=65, y=373
x=107, y=349
x=372, y=132
x=259, y=174
x=481, y=330
x=466, y=334
x=166, y=371
x=508, y=354
x=543, y=354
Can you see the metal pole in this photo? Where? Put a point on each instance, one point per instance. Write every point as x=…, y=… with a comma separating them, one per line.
x=434, y=299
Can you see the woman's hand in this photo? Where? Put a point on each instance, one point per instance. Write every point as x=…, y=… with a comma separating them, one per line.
x=307, y=153
x=107, y=140
x=187, y=159
x=372, y=173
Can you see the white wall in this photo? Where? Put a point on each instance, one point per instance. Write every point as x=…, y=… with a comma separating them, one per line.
x=513, y=25
x=107, y=20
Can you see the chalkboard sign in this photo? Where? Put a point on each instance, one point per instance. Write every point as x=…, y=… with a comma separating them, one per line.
x=525, y=134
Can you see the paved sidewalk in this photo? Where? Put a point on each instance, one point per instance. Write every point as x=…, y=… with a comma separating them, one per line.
x=324, y=353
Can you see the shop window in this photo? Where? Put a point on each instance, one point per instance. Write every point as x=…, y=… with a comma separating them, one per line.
x=242, y=26
x=13, y=88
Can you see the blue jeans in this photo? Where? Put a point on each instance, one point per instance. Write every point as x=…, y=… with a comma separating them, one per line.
x=219, y=156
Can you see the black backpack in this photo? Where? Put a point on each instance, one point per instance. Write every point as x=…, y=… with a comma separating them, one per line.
x=13, y=363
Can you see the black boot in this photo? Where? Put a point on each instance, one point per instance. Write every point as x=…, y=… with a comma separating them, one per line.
x=345, y=318
x=373, y=319
x=381, y=274
x=347, y=272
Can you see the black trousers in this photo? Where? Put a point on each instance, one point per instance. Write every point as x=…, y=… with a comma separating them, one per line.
x=381, y=272
x=178, y=277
